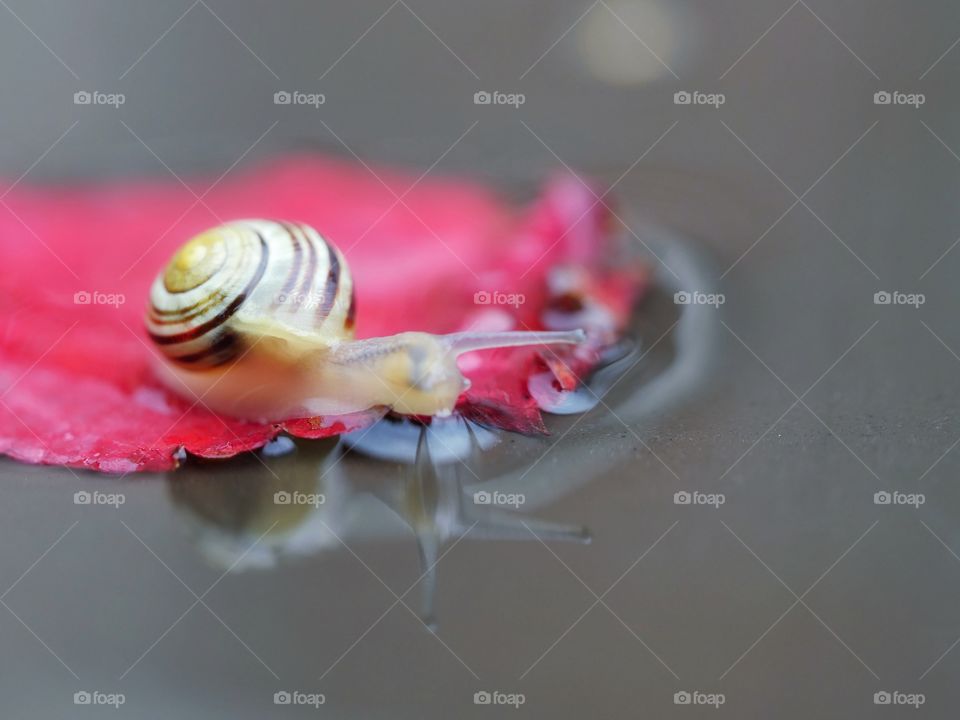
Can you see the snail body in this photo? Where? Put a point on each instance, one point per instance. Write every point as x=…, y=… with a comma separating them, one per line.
x=255, y=318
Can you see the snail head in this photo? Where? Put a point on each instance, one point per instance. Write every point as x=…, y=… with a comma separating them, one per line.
x=418, y=373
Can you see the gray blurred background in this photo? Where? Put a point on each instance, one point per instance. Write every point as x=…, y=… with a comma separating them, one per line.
x=798, y=198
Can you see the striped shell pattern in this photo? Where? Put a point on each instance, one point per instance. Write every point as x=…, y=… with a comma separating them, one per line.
x=254, y=276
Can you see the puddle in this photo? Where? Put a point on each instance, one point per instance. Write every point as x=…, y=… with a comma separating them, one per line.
x=254, y=512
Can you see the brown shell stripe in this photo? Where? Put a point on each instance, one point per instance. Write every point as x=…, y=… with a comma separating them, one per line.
x=351, y=318
x=304, y=287
x=297, y=239
x=172, y=317
x=331, y=286
x=221, y=351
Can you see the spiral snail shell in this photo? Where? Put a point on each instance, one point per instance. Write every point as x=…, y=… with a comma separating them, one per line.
x=255, y=319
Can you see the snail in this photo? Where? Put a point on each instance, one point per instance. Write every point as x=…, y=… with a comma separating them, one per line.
x=256, y=319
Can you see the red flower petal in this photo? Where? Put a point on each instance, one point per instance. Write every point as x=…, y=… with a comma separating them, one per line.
x=76, y=385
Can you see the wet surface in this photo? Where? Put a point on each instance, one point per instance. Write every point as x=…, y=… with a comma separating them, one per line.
x=728, y=478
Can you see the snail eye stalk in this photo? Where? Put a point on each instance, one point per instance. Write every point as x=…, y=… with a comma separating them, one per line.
x=464, y=342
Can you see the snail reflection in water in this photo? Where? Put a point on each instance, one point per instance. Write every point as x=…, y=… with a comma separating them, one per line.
x=249, y=512
x=257, y=317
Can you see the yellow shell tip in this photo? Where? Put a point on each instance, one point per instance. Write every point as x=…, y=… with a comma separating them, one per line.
x=195, y=262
